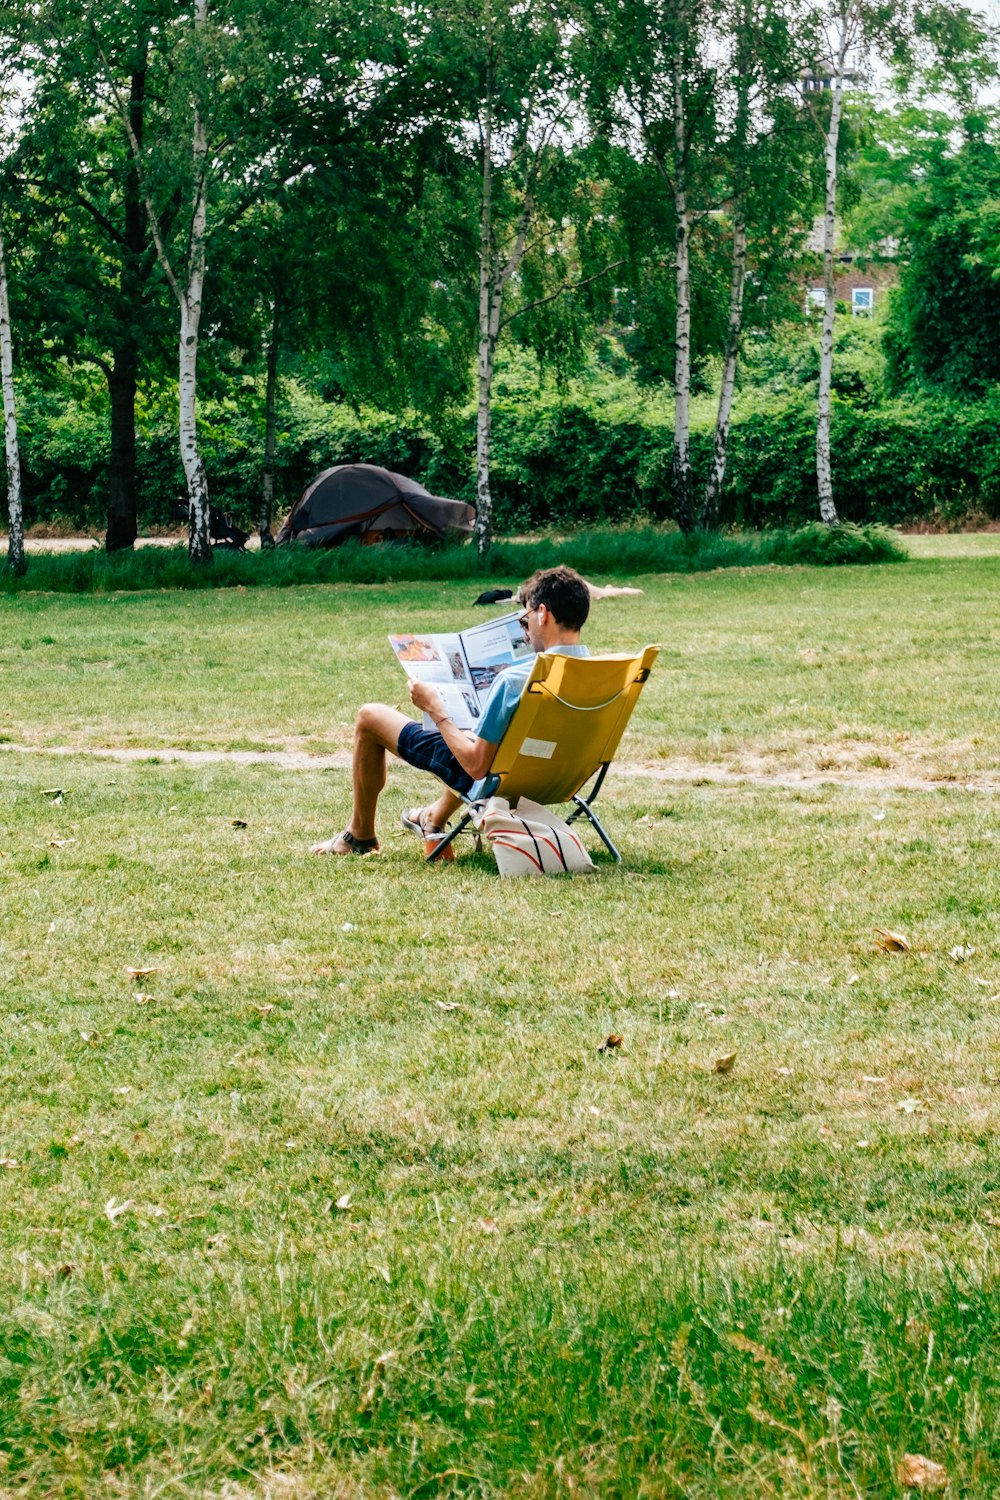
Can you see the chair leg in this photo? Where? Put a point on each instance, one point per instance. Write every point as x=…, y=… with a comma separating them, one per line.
x=443, y=844
x=588, y=811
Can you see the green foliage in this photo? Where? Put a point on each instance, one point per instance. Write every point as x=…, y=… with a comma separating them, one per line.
x=819, y=545
x=946, y=319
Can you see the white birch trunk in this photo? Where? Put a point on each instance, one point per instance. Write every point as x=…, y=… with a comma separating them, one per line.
x=682, y=336
x=824, y=473
x=270, y=434
x=199, y=544
x=189, y=300
x=487, y=347
x=16, y=560
x=720, y=445
x=493, y=279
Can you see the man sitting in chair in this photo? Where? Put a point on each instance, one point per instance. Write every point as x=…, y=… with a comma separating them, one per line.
x=556, y=605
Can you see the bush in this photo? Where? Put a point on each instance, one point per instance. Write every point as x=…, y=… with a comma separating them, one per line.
x=818, y=545
x=600, y=453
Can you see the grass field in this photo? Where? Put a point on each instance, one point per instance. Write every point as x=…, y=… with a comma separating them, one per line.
x=341, y=1199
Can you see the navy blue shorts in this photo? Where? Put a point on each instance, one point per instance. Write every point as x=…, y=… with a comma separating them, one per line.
x=426, y=749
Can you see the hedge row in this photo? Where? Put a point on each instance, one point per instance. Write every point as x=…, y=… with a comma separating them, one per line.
x=556, y=461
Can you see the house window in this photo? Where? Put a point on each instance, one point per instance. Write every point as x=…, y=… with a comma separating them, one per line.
x=816, y=299
x=862, y=300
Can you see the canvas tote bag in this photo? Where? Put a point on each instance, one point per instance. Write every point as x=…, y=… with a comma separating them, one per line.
x=531, y=840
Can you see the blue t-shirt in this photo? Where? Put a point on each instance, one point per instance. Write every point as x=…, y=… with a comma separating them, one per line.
x=506, y=691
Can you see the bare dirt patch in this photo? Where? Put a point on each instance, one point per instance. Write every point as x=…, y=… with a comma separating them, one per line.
x=747, y=769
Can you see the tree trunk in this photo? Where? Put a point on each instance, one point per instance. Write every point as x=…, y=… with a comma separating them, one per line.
x=270, y=430
x=122, y=527
x=484, y=499
x=199, y=544
x=683, y=507
x=720, y=446
x=16, y=560
x=487, y=346
x=824, y=475
x=122, y=513
x=737, y=280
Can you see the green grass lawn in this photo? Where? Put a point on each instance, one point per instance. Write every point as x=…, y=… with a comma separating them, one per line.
x=342, y=1199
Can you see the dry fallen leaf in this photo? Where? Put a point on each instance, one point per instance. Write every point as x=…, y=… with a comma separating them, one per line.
x=613, y=1040
x=918, y=1473
x=724, y=1064
x=263, y=1010
x=141, y=998
x=140, y=973
x=760, y=1355
x=10, y=1164
x=60, y=843
x=343, y=1202
x=239, y=823
x=447, y=1004
x=960, y=953
x=488, y=1226
x=871, y=1078
x=784, y=1072
x=909, y=1106
x=126, y=1088
x=115, y=1210
x=65, y=1270
x=369, y=1395
x=891, y=942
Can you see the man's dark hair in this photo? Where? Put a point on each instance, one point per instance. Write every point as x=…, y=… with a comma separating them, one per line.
x=564, y=594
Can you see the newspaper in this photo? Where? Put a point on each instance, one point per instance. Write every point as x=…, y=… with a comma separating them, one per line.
x=463, y=666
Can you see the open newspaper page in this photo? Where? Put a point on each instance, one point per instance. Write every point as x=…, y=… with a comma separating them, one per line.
x=440, y=659
x=491, y=648
x=462, y=667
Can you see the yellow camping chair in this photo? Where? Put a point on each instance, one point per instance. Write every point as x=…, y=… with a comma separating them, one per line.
x=565, y=731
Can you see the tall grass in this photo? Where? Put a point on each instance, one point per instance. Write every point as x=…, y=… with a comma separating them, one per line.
x=610, y=552
x=786, y=1379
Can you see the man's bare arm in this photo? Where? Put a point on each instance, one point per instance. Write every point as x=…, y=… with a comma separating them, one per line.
x=473, y=754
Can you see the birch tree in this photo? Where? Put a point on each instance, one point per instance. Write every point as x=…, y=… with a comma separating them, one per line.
x=186, y=278
x=11, y=103
x=94, y=279
x=654, y=85
x=520, y=108
x=768, y=186
x=15, y=543
x=844, y=30
x=234, y=80
x=943, y=38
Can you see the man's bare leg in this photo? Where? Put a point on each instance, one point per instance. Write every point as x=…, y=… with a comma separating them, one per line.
x=376, y=730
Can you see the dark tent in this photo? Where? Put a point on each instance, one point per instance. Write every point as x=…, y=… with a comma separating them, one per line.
x=365, y=501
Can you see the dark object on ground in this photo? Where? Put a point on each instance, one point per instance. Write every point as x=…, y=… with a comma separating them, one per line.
x=494, y=596
x=220, y=527
x=364, y=501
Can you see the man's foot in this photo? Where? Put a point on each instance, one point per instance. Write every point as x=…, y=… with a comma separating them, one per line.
x=346, y=843
x=418, y=820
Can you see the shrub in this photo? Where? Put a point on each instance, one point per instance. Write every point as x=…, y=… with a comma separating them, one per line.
x=599, y=454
